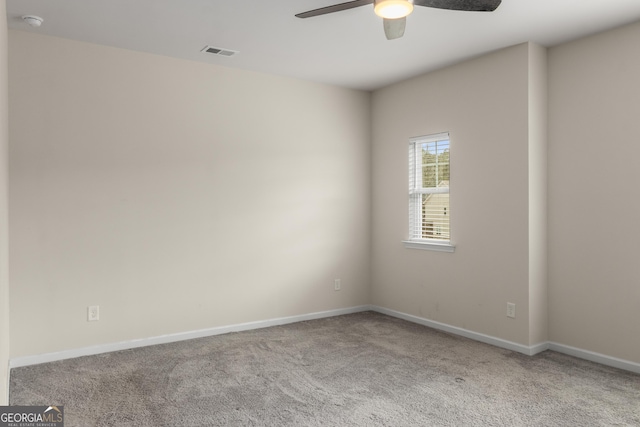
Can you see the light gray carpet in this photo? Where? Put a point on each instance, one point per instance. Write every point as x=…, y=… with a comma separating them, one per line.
x=364, y=369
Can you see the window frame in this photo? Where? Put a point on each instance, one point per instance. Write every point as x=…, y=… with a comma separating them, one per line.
x=415, y=207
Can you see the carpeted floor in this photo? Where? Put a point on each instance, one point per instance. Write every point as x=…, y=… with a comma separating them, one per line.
x=365, y=369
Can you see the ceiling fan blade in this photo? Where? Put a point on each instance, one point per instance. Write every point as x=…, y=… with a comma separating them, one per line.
x=467, y=5
x=394, y=28
x=334, y=8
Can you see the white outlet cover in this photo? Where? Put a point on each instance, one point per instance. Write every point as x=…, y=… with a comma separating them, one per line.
x=511, y=310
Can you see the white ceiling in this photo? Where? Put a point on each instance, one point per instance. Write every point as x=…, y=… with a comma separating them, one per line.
x=346, y=48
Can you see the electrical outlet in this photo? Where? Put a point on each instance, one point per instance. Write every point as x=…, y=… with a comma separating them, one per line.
x=93, y=313
x=511, y=310
x=337, y=285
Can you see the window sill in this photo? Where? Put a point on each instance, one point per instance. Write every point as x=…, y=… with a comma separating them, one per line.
x=429, y=246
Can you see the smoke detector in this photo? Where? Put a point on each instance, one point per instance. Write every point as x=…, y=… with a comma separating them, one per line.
x=34, y=21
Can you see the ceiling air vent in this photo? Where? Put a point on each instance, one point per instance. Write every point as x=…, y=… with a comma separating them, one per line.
x=218, y=51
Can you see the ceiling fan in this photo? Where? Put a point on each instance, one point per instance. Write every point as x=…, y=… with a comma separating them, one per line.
x=395, y=12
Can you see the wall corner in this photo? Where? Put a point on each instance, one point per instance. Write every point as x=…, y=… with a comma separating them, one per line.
x=537, y=163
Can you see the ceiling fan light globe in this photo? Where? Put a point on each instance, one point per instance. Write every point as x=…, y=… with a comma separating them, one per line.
x=392, y=9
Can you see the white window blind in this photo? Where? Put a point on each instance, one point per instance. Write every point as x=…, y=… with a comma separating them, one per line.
x=429, y=177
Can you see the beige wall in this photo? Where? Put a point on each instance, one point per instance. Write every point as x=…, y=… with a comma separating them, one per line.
x=484, y=104
x=181, y=196
x=4, y=210
x=594, y=246
x=177, y=195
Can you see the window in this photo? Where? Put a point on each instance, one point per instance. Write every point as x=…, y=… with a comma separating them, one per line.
x=429, y=176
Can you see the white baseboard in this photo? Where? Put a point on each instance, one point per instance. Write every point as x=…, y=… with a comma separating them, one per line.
x=487, y=339
x=528, y=350
x=164, y=339
x=596, y=357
